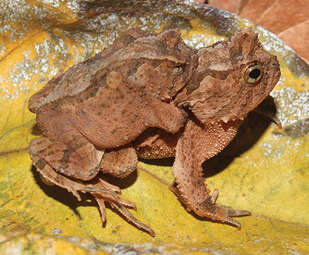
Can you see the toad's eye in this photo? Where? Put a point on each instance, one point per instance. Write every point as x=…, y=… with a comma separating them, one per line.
x=253, y=74
x=178, y=69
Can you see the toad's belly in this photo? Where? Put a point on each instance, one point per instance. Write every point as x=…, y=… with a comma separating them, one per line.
x=156, y=143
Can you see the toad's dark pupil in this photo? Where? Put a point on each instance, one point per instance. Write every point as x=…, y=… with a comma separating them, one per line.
x=255, y=73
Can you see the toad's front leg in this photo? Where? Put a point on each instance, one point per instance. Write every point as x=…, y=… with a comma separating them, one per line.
x=195, y=146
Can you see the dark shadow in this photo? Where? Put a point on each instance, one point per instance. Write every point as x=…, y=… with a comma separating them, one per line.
x=159, y=162
x=248, y=134
x=122, y=183
x=35, y=130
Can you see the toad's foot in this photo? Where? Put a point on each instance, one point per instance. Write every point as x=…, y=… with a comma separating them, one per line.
x=208, y=208
x=119, y=205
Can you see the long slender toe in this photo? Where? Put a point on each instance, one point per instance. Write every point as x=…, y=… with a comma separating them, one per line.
x=225, y=215
x=130, y=218
x=233, y=222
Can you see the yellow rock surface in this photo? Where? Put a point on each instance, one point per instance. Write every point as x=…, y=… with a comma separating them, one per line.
x=270, y=177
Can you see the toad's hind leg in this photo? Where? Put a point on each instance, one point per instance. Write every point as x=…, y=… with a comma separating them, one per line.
x=41, y=150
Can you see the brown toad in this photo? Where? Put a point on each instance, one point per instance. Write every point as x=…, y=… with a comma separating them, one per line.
x=149, y=96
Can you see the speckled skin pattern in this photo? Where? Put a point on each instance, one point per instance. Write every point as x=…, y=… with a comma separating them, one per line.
x=149, y=96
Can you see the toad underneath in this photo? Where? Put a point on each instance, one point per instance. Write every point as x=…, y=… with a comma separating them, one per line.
x=149, y=96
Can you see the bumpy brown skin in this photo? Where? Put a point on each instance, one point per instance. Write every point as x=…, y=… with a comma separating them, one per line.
x=149, y=95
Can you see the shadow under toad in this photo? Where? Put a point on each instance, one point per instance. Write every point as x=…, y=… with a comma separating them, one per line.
x=250, y=131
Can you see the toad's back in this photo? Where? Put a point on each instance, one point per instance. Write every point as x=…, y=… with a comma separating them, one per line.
x=121, y=91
